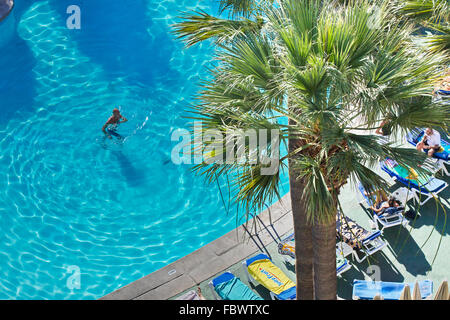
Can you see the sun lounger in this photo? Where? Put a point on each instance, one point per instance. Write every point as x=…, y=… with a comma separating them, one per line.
x=443, y=158
x=261, y=269
x=228, y=287
x=360, y=239
x=363, y=289
x=428, y=186
x=387, y=218
x=287, y=250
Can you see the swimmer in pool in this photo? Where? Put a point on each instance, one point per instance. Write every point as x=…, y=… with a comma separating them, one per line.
x=110, y=127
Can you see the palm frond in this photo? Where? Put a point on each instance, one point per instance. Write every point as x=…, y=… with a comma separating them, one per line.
x=242, y=7
x=200, y=26
x=440, y=42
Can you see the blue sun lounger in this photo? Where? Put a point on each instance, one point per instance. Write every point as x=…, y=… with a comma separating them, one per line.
x=363, y=289
x=228, y=287
x=427, y=186
x=260, y=269
x=387, y=218
x=442, y=92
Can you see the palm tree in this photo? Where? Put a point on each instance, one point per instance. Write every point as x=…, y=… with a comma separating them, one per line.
x=334, y=71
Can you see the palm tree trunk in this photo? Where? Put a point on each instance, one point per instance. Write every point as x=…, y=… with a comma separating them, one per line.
x=303, y=238
x=324, y=240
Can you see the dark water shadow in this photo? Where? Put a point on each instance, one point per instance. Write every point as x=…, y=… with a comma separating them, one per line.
x=17, y=81
x=132, y=175
x=121, y=38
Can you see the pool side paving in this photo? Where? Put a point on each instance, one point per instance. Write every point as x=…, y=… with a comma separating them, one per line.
x=408, y=256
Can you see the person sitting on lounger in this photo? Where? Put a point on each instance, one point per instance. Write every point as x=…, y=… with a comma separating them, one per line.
x=431, y=141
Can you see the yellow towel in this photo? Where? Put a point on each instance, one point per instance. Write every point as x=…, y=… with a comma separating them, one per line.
x=412, y=174
x=270, y=276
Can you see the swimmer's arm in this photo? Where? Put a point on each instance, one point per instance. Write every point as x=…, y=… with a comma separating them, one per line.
x=124, y=120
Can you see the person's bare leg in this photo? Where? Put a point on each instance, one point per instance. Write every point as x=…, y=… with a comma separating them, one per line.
x=199, y=292
x=431, y=152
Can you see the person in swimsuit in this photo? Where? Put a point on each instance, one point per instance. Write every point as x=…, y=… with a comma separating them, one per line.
x=383, y=203
x=431, y=142
x=110, y=127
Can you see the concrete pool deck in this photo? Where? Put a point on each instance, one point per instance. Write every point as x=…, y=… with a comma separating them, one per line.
x=408, y=256
x=5, y=8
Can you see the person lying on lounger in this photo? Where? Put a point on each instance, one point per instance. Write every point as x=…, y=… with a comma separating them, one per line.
x=384, y=204
x=431, y=142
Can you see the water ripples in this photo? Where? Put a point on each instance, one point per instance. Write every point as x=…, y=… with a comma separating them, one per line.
x=118, y=212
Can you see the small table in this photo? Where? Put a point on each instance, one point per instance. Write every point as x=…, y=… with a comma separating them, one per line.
x=343, y=248
x=403, y=194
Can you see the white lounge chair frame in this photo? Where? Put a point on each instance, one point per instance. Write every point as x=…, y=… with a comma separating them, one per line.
x=369, y=247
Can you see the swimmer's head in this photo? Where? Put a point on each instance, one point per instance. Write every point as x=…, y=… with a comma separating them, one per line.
x=116, y=111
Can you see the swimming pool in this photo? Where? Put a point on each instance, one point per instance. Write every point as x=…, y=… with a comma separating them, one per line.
x=115, y=213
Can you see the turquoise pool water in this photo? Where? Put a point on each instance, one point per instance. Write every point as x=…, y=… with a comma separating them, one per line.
x=67, y=201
